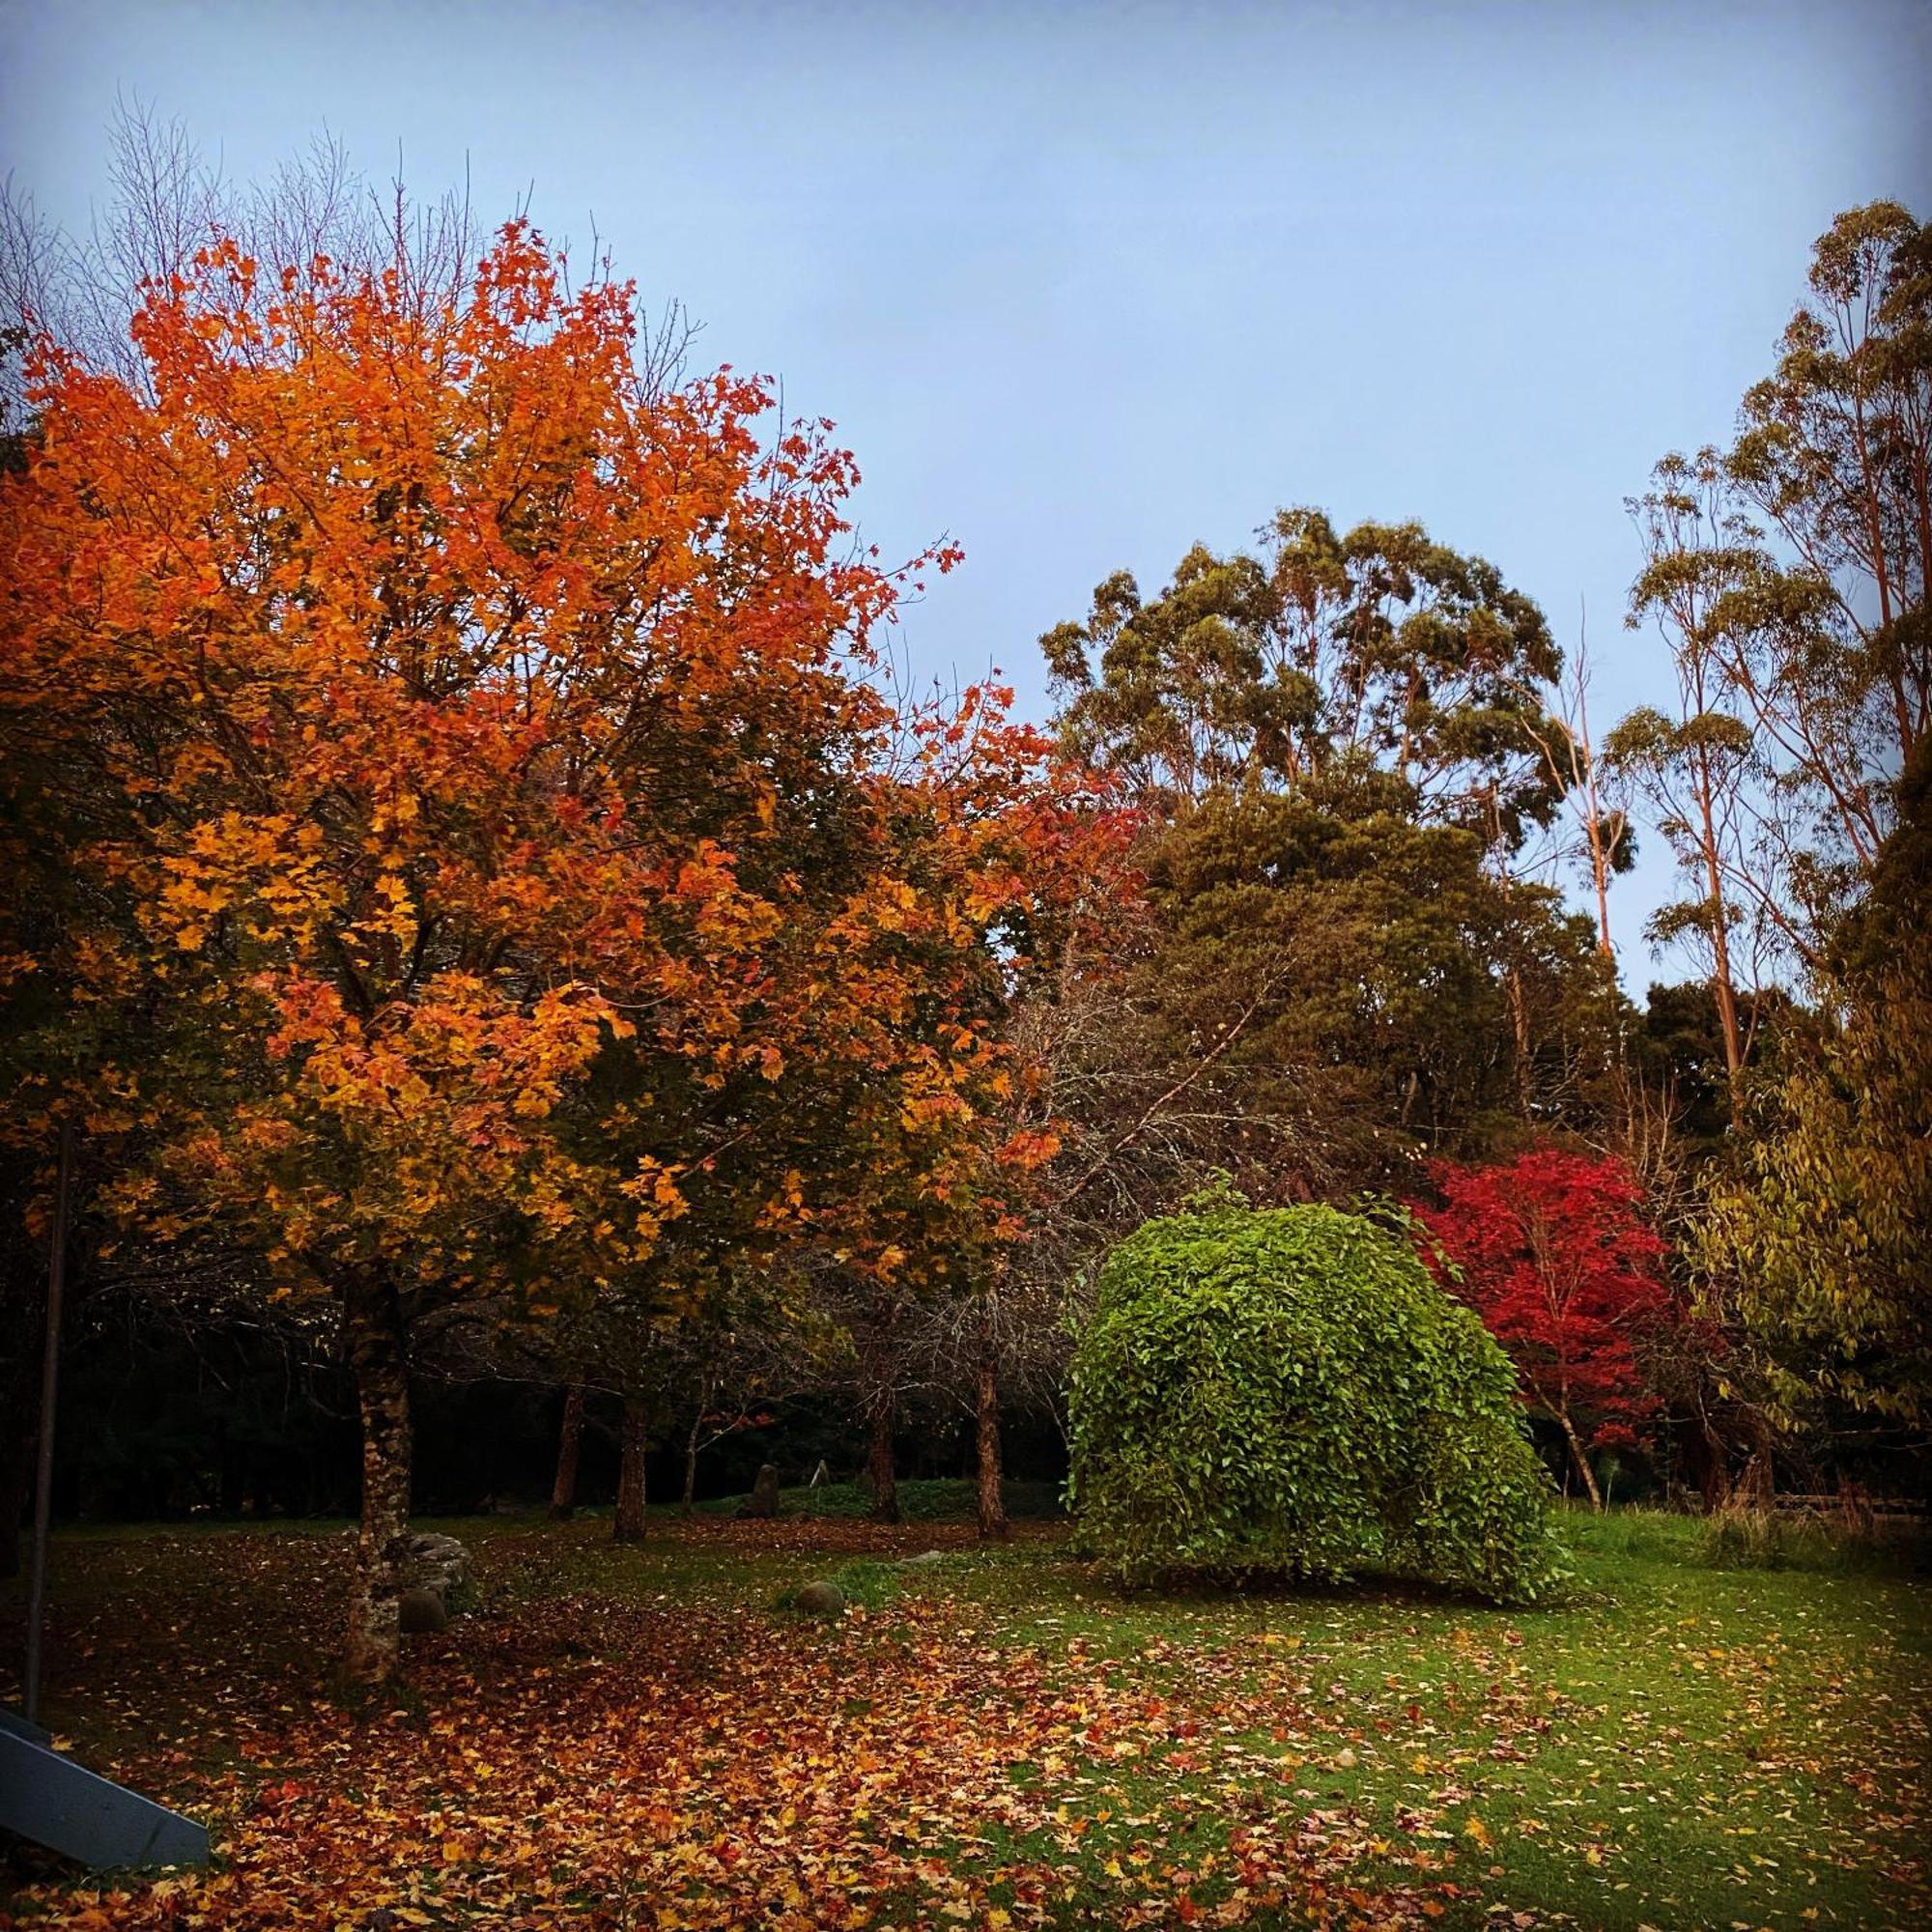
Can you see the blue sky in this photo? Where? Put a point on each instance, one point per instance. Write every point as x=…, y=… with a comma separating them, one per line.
x=1083, y=284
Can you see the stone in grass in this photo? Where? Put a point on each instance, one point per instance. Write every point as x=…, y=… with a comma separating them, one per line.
x=422, y=1612
x=763, y=1501
x=820, y=1600
x=433, y=1562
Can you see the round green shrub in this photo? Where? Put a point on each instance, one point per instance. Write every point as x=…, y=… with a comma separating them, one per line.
x=1289, y=1392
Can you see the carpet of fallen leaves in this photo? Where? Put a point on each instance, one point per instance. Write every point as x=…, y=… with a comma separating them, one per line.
x=643, y=1740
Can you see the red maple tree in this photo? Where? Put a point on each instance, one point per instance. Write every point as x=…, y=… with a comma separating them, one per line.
x=1552, y=1251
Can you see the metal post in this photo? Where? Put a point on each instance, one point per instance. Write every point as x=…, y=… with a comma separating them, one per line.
x=44, y=1487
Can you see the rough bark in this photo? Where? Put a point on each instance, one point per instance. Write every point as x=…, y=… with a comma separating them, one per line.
x=628, y=1526
x=563, y=1492
x=379, y=1356
x=986, y=1432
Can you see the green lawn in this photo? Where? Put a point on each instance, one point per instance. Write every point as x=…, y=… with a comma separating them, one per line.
x=646, y=1737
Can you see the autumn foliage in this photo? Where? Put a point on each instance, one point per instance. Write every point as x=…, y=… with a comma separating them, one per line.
x=473, y=813
x=1552, y=1251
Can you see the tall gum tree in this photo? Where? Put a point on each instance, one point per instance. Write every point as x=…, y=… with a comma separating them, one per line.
x=1788, y=577
x=1337, y=742
x=1700, y=765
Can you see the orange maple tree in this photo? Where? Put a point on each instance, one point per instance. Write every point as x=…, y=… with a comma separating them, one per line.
x=936, y=1151
x=465, y=750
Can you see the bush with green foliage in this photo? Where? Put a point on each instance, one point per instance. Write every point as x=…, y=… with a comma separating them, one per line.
x=1288, y=1392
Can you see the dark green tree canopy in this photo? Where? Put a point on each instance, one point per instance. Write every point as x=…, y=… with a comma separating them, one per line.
x=1340, y=744
x=1378, y=652
x=1371, y=964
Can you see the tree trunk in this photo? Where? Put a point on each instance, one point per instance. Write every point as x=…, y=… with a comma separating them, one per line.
x=1756, y=1480
x=378, y=1354
x=1519, y=1032
x=563, y=1492
x=629, y=1524
x=1725, y=994
x=687, y=1501
x=1583, y=1461
x=880, y=1359
x=1710, y=1466
x=1723, y=988
x=1600, y=875
x=986, y=1430
x=885, y=1419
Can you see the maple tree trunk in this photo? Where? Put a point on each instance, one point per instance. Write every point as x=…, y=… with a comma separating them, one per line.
x=563, y=1492
x=879, y=1460
x=628, y=1525
x=986, y=1420
x=687, y=1501
x=379, y=1356
x=1582, y=1460
x=882, y=1411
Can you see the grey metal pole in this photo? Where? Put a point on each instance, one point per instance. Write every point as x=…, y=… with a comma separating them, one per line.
x=44, y=1486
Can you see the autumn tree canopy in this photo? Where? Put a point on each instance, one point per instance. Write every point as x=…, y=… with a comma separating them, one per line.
x=1553, y=1252
x=438, y=720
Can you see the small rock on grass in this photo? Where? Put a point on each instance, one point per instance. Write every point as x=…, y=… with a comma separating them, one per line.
x=439, y=1563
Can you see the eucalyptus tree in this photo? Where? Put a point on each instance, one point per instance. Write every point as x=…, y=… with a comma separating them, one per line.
x=1820, y=1236
x=1788, y=575
x=1325, y=654
x=1340, y=744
